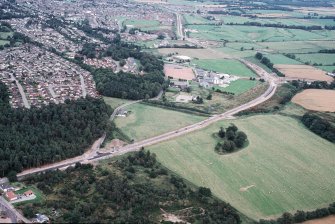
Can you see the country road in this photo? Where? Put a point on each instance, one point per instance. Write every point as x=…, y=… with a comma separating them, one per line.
x=12, y=213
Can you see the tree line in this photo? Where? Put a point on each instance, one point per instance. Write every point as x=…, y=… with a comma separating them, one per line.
x=128, y=190
x=231, y=139
x=267, y=62
x=278, y=25
x=34, y=137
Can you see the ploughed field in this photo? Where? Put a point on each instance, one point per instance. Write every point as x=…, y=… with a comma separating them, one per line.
x=285, y=167
x=316, y=99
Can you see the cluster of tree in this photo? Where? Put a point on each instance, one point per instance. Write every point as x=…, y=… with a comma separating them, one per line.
x=224, y=92
x=5, y=27
x=31, y=138
x=126, y=85
x=233, y=139
x=330, y=27
x=267, y=62
x=302, y=216
x=319, y=126
x=89, y=50
x=327, y=51
x=313, y=85
x=128, y=190
x=9, y=11
x=198, y=100
x=278, y=25
x=181, y=46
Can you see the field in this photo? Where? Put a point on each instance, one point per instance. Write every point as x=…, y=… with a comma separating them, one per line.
x=228, y=66
x=195, y=19
x=115, y=102
x=240, y=86
x=303, y=72
x=141, y=23
x=146, y=121
x=316, y=99
x=324, y=59
x=178, y=72
x=298, y=46
x=281, y=59
x=326, y=220
x=194, y=53
x=327, y=68
x=292, y=171
x=3, y=42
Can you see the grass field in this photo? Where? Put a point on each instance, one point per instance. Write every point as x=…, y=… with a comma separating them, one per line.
x=327, y=68
x=240, y=86
x=141, y=23
x=147, y=121
x=194, y=53
x=324, y=59
x=281, y=59
x=195, y=19
x=3, y=42
x=228, y=66
x=115, y=102
x=292, y=171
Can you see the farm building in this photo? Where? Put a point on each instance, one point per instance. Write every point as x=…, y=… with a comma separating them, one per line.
x=11, y=196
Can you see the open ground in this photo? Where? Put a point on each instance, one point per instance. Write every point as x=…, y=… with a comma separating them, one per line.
x=292, y=171
x=194, y=53
x=316, y=99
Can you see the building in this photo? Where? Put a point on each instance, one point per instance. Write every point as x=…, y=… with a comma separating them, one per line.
x=11, y=196
x=6, y=187
x=28, y=193
x=40, y=218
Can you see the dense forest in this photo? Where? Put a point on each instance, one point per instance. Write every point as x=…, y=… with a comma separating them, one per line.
x=30, y=138
x=132, y=189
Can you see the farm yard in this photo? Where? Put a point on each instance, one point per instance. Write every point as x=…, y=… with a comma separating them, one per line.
x=147, y=121
x=227, y=66
x=316, y=99
x=265, y=179
x=303, y=72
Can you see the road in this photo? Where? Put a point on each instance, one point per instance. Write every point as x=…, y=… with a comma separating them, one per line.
x=179, y=26
x=11, y=212
x=83, y=86
x=23, y=94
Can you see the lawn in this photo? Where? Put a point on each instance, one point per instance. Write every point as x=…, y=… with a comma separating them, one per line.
x=288, y=167
x=38, y=193
x=228, y=66
x=240, y=86
x=147, y=121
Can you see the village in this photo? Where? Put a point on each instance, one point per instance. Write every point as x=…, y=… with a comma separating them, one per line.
x=36, y=77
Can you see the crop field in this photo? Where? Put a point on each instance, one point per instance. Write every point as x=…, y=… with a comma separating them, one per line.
x=194, y=53
x=240, y=86
x=195, y=19
x=292, y=171
x=324, y=59
x=316, y=99
x=303, y=72
x=228, y=66
x=147, y=121
x=281, y=59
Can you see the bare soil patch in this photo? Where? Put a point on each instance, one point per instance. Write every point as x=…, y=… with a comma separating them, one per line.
x=316, y=99
x=326, y=220
x=303, y=72
x=178, y=72
x=242, y=189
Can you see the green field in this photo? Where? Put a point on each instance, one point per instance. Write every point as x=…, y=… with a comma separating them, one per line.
x=115, y=102
x=281, y=59
x=195, y=19
x=327, y=68
x=147, y=121
x=141, y=23
x=290, y=167
x=240, y=86
x=324, y=59
x=228, y=66
x=298, y=46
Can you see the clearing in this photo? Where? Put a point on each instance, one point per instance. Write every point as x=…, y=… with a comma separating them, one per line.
x=303, y=72
x=147, y=121
x=316, y=99
x=292, y=171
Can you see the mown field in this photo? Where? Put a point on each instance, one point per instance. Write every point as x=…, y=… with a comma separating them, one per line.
x=324, y=59
x=228, y=66
x=286, y=169
x=141, y=23
x=147, y=121
x=282, y=59
x=327, y=68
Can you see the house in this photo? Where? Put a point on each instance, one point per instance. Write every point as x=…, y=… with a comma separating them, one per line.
x=182, y=84
x=40, y=218
x=6, y=187
x=122, y=113
x=11, y=196
x=28, y=193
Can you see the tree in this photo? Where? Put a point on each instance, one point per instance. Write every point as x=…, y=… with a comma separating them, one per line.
x=209, y=97
x=228, y=146
x=222, y=132
x=204, y=191
x=240, y=139
x=12, y=176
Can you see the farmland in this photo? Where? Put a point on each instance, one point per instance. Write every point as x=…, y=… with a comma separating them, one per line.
x=318, y=58
x=194, y=53
x=283, y=174
x=240, y=86
x=147, y=121
x=303, y=72
x=228, y=66
x=141, y=23
x=316, y=99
